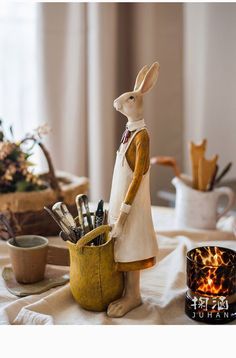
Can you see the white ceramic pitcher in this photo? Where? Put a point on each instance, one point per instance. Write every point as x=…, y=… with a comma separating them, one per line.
x=198, y=209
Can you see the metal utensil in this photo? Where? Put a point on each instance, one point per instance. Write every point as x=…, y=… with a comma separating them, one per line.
x=213, y=179
x=78, y=234
x=98, y=217
x=82, y=202
x=88, y=215
x=223, y=173
x=105, y=217
x=7, y=225
x=64, y=228
x=79, y=206
x=64, y=236
x=98, y=220
x=60, y=209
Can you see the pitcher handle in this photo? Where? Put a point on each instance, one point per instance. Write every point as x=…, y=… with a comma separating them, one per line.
x=231, y=198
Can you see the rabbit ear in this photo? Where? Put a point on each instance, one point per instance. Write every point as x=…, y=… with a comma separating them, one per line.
x=140, y=77
x=150, y=78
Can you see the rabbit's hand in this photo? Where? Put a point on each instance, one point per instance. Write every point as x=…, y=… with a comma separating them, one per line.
x=117, y=228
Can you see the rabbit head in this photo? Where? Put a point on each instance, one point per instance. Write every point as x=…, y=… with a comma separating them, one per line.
x=131, y=103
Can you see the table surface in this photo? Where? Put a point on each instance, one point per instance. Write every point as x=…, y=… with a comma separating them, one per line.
x=163, y=286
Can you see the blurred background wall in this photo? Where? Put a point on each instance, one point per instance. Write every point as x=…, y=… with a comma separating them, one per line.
x=155, y=32
x=69, y=61
x=91, y=53
x=210, y=79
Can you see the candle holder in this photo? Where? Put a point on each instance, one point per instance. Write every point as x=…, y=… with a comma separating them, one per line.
x=211, y=281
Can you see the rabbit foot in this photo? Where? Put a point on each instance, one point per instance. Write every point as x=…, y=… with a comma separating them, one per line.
x=122, y=306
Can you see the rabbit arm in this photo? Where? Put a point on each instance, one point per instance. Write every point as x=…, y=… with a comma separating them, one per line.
x=141, y=164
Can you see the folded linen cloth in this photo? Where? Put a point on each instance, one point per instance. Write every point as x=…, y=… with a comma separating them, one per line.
x=163, y=289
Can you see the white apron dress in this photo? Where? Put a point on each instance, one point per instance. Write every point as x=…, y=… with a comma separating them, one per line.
x=138, y=240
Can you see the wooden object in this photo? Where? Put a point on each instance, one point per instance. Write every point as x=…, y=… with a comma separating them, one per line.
x=196, y=153
x=58, y=255
x=25, y=209
x=167, y=161
x=206, y=171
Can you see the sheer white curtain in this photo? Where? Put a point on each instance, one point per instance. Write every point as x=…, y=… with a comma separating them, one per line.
x=77, y=58
x=18, y=66
x=78, y=80
x=58, y=65
x=91, y=53
x=19, y=71
x=65, y=63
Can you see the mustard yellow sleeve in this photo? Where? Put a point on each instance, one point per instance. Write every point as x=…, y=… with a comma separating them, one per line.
x=141, y=164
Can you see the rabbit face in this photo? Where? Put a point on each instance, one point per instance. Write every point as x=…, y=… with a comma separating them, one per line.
x=131, y=103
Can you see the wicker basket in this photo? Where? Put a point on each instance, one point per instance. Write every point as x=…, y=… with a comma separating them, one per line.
x=25, y=209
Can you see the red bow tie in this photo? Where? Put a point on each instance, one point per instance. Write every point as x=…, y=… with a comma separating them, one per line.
x=125, y=136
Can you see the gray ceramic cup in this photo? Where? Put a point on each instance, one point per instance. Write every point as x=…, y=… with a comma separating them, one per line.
x=29, y=259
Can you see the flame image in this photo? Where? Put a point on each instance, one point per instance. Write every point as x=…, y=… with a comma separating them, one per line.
x=212, y=271
x=212, y=284
x=212, y=256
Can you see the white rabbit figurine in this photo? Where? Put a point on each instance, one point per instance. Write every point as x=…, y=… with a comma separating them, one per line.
x=130, y=206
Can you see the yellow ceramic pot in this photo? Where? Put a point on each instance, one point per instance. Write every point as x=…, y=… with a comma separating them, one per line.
x=94, y=280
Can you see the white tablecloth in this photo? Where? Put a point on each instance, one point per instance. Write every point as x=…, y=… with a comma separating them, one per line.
x=163, y=286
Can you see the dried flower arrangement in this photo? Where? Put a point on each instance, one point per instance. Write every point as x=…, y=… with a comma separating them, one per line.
x=16, y=173
x=23, y=193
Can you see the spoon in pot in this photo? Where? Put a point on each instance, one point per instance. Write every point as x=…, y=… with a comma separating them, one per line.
x=7, y=225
